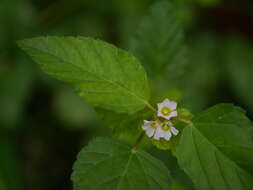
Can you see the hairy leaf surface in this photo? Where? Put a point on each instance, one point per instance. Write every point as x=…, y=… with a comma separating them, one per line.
x=227, y=127
x=111, y=165
x=207, y=166
x=104, y=75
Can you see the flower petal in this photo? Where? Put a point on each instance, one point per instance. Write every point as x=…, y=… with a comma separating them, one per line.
x=165, y=117
x=167, y=103
x=172, y=105
x=160, y=106
x=159, y=114
x=174, y=131
x=158, y=133
x=167, y=135
x=150, y=132
x=146, y=122
x=173, y=114
x=164, y=103
x=170, y=123
x=145, y=127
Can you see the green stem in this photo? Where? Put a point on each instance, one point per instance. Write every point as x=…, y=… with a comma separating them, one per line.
x=188, y=122
x=150, y=106
x=138, y=141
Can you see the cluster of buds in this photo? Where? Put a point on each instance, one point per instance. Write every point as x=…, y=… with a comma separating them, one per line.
x=162, y=127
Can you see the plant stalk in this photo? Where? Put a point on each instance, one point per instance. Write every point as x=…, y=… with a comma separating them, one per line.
x=188, y=122
x=150, y=106
x=138, y=141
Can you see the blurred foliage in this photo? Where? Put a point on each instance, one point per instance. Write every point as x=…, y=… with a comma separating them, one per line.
x=18, y=20
x=15, y=86
x=239, y=64
x=159, y=44
x=40, y=116
x=72, y=111
x=10, y=178
x=203, y=73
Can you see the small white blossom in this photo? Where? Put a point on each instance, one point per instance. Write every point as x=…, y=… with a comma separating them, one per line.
x=167, y=109
x=150, y=127
x=166, y=130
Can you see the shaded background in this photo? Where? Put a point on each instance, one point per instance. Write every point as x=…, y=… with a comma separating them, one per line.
x=43, y=124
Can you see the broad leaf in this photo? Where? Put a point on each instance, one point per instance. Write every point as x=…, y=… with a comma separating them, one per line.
x=158, y=42
x=111, y=165
x=227, y=127
x=179, y=179
x=104, y=75
x=207, y=166
x=124, y=123
x=178, y=186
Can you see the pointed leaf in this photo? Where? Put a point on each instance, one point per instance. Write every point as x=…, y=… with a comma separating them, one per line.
x=104, y=75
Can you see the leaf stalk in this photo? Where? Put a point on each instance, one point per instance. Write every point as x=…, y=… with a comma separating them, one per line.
x=138, y=141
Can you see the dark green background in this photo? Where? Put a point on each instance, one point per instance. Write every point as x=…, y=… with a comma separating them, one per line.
x=43, y=124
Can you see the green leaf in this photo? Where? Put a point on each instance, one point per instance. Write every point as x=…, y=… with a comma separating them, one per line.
x=125, y=127
x=111, y=165
x=179, y=179
x=104, y=75
x=207, y=166
x=121, y=123
x=178, y=186
x=158, y=42
x=227, y=128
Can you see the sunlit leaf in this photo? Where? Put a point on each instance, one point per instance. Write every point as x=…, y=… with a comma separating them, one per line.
x=103, y=75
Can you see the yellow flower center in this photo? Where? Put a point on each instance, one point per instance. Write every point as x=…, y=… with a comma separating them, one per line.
x=154, y=125
x=166, y=111
x=166, y=127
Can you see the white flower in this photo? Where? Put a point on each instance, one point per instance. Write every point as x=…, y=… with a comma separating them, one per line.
x=150, y=127
x=167, y=109
x=165, y=131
